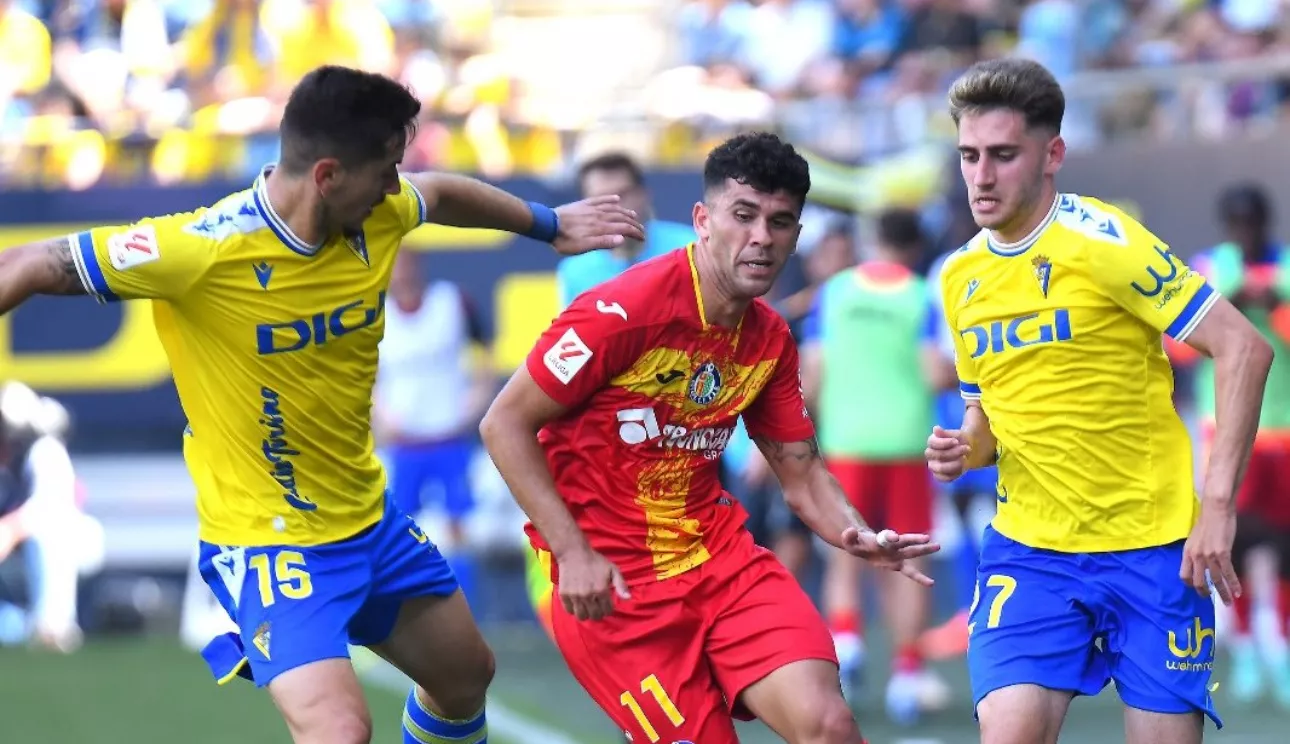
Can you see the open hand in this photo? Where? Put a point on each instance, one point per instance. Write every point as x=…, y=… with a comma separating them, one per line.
x=593, y=224
x=890, y=550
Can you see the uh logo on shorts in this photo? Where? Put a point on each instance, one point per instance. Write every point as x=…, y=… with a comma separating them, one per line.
x=1184, y=657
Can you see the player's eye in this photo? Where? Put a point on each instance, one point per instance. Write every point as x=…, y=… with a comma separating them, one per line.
x=743, y=216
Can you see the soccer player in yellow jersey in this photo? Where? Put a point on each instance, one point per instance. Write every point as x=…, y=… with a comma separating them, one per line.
x=1097, y=564
x=270, y=307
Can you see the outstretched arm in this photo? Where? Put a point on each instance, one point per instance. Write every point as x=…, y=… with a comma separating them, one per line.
x=815, y=495
x=461, y=201
x=45, y=267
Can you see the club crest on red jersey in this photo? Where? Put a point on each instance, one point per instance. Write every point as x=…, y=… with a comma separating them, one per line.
x=705, y=385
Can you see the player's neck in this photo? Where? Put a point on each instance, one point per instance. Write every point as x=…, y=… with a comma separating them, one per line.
x=295, y=204
x=720, y=305
x=1023, y=228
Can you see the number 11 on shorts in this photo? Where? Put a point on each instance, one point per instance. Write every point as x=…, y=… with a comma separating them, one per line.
x=650, y=685
x=1006, y=586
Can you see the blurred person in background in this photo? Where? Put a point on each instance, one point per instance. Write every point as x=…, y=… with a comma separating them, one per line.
x=429, y=398
x=1253, y=269
x=25, y=59
x=972, y=495
x=41, y=522
x=617, y=174
x=864, y=370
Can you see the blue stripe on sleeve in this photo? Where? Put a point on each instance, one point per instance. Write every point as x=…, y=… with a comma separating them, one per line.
x=90, y=264
x=423, y=214
x=969, y=390
x=1192, y=313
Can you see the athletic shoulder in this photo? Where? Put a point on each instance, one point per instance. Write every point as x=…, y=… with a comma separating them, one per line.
x=228, y=220
x=650, y=292
x=958, y=265
x=1091, y=224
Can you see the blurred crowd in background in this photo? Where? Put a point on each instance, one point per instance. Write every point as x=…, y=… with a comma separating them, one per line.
x=172, y=91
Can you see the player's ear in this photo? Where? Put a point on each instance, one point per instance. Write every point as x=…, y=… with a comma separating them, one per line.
x=701, y=216
x=325, y=173
x=1056, y=155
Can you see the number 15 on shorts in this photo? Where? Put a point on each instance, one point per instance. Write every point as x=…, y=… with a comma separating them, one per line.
x=651, y=686
x=1001, y=587
x=286, y=573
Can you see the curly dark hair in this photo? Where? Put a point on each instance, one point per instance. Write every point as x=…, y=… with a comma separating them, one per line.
x=760, y=160
x=350, y=115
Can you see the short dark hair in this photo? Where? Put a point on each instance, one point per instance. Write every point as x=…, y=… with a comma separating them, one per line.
x=1244, y=201
x=1015, y=84
x=613, y=161
x=900, y=229
x=760, y=160
x=350, y=115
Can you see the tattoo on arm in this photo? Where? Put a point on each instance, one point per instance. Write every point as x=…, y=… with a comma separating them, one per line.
x=60, y=275
x=803, y=451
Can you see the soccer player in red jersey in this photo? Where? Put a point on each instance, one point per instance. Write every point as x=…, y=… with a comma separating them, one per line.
x=609, y=437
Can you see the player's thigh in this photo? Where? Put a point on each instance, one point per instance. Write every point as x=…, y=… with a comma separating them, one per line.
x=322, y=703
x=644, y=666
x=416, y=616
x=764, y=622
x=436, y=642
x=1023, y=714
x=801, y=701
x=291, y=605
x=1030, y=625
x=1160, y=640
x=1146, y=727
x=909, y=494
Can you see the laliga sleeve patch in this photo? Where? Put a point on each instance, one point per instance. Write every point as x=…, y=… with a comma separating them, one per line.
x=133, y=247
x=567, y=357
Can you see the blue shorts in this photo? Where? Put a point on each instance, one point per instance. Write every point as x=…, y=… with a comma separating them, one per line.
x=296, y=605
x=1075, y=621
x=442, y=467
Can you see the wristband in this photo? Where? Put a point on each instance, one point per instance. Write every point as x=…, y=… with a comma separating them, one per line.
x=546, y=225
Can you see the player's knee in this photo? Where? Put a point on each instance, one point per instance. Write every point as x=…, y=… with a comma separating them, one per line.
x=340, y=727
x=1003, y=722
x=466, y=696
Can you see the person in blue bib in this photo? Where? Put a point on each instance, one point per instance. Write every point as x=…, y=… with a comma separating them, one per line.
x=617, y=174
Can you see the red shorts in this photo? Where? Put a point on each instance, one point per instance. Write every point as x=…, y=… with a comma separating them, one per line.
x=889, y=495
x=1265, y=491
x=669, y=663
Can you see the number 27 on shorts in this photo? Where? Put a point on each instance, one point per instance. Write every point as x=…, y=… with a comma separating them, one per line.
x=651, y=686
x=1006, y=586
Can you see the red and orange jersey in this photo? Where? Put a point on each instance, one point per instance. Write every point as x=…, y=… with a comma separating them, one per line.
x=654, y=393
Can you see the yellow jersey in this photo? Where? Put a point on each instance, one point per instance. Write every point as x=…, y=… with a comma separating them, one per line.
x=273, y=346
x=1059, y=337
